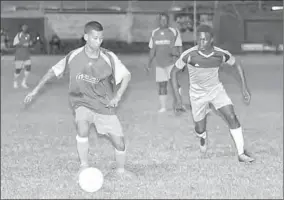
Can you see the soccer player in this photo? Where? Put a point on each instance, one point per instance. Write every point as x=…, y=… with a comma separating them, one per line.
x=203, y=62
x=22, y=55
x=165, y=47
x=94, y=74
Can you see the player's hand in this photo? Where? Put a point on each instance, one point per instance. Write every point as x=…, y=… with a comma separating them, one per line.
x=147, y=69
x=30, y=97
x=179, y=108
x=246, y=96
x=114, y=102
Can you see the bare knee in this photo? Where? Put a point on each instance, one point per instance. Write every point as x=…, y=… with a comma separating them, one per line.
x=82, y=128
x=232, y=120
x=118, y=143
x=200, y=129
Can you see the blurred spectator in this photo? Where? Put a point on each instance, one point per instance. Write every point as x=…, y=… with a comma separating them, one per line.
x=4, y=40
x=38, y=43
x=55, y=44
x=82, y=41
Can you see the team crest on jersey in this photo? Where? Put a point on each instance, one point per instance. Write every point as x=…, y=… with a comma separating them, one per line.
x=87, y=78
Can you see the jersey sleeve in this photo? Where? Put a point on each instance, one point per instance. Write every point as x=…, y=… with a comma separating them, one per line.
x=229, y=58
x=60, y=67
x=183, y=60
x=178, y=41
x=120, y=70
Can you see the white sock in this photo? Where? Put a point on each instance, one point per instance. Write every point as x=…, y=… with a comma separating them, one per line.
x=163, y=100
x=120, y=157
x=202, y=135
x=237, y=135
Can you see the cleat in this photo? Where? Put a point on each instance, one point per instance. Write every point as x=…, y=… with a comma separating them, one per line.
x=245, y=158
x=24, y=85
x=16, y=85
x=162, y=110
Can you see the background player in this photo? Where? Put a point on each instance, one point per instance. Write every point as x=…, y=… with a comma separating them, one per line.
x=165, y=47
x=91, y=93
x=203, y=62
x=22, y=42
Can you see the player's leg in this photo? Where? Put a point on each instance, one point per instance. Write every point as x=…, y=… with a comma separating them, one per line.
x=27, y=67
x=110, y=126
x=200, y=109
x=224, y=105
x=162, y=81
x=163, y=92
x=18, y=68
x=83, y=120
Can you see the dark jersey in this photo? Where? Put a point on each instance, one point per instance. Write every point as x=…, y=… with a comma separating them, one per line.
x=91, y=80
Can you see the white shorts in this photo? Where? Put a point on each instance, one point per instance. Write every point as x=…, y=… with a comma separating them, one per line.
x=105, y=124
x=20, y=64
x=200, y=106
x=163, y=74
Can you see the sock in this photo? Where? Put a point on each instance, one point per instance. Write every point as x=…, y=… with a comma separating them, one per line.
x=163, y=100
x=120, y=157
x=237, y=135
x=16, y=77
x=83, y=149
x=27, y=73
x=202, y=135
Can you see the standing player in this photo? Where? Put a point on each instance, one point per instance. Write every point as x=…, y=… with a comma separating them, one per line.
x=22, y=55
x=94, y=72
x=203, y=62
x=166, y=46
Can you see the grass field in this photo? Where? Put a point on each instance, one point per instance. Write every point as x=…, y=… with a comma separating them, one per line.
x=38, y=146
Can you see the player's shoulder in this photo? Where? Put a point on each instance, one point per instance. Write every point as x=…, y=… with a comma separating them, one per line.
x=221, y=51
x=174, y=30
x=72, y=54
x=190, y=51
x=155, y=31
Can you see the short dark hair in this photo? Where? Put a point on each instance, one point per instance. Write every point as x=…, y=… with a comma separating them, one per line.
x=205, y=28
x=93, y=25
x=164, y=14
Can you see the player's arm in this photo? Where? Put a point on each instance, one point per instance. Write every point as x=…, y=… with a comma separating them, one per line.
x=19, y=43
x=152, y=52
x=178, y=42
x=122, y=76
x=56, y=71
x=231, y=60
x=179, y=65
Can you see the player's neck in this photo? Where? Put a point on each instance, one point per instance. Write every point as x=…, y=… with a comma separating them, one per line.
x=207, y=51
x=92, y=53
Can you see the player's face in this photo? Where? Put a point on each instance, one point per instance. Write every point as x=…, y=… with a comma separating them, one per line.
x=94, y=39
x=204, y=40
x=25, y=28
x=163, y=22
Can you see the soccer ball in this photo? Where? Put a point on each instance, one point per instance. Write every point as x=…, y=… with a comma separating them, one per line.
x=91, y=179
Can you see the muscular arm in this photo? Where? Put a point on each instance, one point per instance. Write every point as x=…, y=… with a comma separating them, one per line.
x=47, y=77
x=241, y=74
x=152, y=55
x=174, y=81
x=123, y=86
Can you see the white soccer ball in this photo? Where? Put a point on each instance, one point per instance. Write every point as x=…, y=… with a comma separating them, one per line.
x=91, y=179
